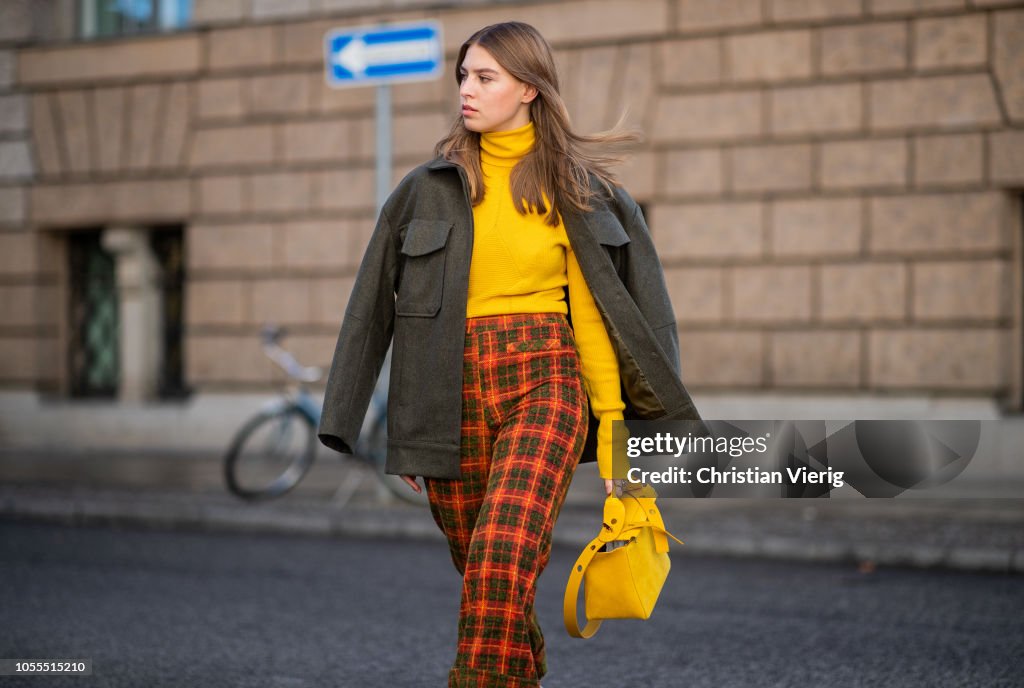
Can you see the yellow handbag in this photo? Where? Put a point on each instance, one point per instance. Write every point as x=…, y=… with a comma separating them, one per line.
x=623, y=582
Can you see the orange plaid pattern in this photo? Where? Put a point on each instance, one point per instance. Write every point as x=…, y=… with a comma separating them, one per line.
x=524, y=421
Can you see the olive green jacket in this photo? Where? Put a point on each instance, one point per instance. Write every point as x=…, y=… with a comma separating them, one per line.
x=412, y=287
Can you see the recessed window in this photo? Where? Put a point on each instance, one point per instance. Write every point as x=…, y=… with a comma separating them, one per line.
x=125, y=313
x=110, y=18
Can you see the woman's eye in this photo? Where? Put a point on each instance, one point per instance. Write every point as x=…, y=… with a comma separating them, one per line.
x=485, y=78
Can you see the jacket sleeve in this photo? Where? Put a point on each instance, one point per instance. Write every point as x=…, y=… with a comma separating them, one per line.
x=363, y=341
x=645, y=280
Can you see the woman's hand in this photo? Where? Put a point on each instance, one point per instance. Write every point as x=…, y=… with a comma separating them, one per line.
x=411, y=480
x=617, y=486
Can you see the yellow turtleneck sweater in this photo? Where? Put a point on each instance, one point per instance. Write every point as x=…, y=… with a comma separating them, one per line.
x=521, y=265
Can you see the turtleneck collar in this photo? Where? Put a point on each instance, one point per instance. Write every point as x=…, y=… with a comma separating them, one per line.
x=506, y=148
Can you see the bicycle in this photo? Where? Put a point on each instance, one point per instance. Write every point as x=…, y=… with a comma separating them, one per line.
x=272, y=452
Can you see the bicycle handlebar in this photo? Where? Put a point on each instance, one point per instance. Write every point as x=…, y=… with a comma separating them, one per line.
x=271, y=336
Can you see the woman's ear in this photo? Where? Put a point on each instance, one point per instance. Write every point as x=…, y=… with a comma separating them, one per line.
x=530, y=93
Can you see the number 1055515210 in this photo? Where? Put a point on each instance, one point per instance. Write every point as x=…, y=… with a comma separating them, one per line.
x=29, y=667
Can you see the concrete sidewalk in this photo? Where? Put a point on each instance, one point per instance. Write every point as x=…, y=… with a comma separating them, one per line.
x=167, y=490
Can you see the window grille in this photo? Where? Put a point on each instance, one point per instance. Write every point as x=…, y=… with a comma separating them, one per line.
x=94, y=356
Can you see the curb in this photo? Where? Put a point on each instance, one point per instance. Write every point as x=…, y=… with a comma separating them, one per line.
x=221, y=513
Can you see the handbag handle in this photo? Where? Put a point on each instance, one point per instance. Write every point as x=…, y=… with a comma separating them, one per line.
x=610, y=529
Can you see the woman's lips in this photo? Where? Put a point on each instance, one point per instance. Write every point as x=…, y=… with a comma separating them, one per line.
x=466, y=110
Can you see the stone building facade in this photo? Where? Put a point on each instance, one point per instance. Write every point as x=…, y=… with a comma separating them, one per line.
x=834, y=187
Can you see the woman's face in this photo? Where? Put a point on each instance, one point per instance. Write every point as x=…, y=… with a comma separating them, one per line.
x=492, y=99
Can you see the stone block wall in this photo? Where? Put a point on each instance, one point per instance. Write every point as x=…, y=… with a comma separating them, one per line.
x=833, y=185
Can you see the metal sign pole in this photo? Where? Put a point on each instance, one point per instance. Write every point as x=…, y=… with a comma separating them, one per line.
x=383, y=144
x=383, y=189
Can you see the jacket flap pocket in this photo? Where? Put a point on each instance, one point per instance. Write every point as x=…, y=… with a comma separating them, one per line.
x=607, y=229
x=425, y=236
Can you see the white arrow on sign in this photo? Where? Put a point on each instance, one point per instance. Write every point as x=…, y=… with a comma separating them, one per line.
x=357, y=56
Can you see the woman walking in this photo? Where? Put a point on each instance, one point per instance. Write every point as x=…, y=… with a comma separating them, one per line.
x=529, y=313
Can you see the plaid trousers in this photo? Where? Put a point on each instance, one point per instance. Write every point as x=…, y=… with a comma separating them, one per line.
x=524, y=421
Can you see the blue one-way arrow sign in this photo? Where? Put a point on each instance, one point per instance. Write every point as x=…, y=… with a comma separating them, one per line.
x=383, y=54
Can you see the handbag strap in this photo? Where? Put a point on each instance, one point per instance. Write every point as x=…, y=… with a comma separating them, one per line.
x=572, y=591
x=572, y=588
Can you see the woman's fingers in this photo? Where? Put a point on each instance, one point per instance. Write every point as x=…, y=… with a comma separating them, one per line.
x=411, y=480
x=609, y=485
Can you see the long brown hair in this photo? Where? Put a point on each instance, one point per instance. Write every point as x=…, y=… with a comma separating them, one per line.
x=560, y=163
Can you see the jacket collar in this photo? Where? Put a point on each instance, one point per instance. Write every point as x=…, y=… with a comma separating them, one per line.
x=603, y=224
x=440, y=163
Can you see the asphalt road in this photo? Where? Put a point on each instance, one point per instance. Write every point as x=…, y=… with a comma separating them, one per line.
x=154, y=608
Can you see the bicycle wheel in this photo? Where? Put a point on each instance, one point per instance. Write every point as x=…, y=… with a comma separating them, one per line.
x=270, y=454
x=377, y=451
